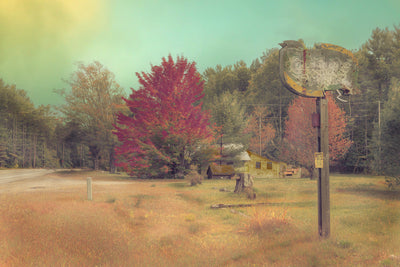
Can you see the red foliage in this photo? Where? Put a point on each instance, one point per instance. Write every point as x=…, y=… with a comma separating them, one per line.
x=301, y=137
x=166, y=118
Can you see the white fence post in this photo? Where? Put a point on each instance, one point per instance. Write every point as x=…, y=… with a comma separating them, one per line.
x=89, y=188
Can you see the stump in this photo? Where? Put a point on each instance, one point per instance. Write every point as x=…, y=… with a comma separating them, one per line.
x=244, y=183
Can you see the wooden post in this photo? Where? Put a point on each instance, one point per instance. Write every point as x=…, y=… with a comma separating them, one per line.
x=323, y=173
x=296, y=64
x=89, y=188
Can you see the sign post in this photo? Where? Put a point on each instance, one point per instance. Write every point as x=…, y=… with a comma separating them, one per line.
x=323, y=171
x=310, y=73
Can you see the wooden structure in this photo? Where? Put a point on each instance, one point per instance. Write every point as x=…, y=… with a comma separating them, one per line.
x=262, y=167
x=292, y=172
x=222, y=171
x=310, y=73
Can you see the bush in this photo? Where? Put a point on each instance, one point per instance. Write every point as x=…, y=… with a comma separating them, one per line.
x=194, y=177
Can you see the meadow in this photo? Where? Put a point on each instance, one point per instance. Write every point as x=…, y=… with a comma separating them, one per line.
x=169, y=223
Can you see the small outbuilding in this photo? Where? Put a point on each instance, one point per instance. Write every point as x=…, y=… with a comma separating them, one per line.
x=222, y=171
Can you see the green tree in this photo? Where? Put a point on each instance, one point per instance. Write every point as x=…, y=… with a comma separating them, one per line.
x=228, y=115
x=224, y=90
x=378, y=62
x=25, y=131
x=266, y=89
x=231, y=79
x=93, y=102
x=387, y=137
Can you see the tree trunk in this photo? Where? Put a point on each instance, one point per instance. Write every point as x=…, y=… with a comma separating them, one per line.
x=82, y=161
x=96, y=163
x=34, y=150
x=244, y=181
x=95, y=152
x=14, y=136
x=113, y=168
x=23, y=146
x=245, y=184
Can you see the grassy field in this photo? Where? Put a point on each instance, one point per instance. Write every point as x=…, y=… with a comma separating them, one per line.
x=168, y=223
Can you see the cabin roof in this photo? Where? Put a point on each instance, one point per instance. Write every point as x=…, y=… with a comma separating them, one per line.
x=223, y=170
x=262, y=157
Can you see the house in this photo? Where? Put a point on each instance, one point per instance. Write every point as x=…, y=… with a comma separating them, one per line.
x=233, y=152
x=258, y=167
x=262, y=167
x=222, y=171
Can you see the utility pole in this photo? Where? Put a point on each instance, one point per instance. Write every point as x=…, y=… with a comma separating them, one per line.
x=309, y=73
x=220, y=159
x=324, y=224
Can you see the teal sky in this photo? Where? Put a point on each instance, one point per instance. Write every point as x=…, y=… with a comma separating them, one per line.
x=41, y=40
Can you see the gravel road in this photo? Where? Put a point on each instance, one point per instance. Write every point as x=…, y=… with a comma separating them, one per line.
x=22, y=180
x=9, y=176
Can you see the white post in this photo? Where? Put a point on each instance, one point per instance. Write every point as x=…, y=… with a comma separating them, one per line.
x=89, y=188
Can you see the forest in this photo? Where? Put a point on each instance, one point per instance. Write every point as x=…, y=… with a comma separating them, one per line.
x=243, y=104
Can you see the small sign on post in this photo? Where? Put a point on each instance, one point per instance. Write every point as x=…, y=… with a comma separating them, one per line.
x=319, y=160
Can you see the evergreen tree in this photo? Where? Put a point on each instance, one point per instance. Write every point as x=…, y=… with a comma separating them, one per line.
x=267, y=89
x=387, y=138
x=378, y=64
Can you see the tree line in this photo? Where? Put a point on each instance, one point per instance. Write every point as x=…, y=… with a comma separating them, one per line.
x=243, y=104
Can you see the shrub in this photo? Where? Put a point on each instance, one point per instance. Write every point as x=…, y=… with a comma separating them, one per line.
x=194, y=177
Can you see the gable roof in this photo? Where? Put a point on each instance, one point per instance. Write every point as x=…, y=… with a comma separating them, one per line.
x=262, y=157
x=225, y=170
x=244, y=156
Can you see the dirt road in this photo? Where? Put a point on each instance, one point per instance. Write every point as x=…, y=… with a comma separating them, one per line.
x=9, y=176
x=22, y=180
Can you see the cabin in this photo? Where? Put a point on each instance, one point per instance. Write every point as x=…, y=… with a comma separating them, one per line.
x=222, y=171
x=262, y=167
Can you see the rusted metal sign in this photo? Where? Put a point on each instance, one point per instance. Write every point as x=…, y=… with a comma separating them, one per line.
x=311, y=72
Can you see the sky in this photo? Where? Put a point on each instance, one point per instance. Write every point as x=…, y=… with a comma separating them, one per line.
x=41, y=41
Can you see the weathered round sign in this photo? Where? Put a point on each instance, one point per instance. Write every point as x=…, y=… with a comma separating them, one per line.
x=311, y=72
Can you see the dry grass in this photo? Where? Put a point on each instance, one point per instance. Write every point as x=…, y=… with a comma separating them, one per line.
x=169, y=223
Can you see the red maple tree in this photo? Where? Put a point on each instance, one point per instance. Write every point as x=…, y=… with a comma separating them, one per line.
x=301, y=137
x=166, y=125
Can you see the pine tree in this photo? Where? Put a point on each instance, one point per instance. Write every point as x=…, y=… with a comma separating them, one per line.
x=387, y=140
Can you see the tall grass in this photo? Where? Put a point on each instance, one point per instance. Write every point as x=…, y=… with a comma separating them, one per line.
x=162, y=223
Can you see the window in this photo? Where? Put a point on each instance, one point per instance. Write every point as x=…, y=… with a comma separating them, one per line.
x=269, y=165
x=258, y=165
